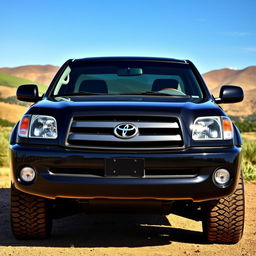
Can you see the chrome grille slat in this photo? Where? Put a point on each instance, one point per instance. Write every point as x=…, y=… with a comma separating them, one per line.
x=90, y=137
x=103, y=124
x=97, y=132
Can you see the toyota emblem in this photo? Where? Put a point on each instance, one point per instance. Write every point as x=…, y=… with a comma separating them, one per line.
x=126, y=131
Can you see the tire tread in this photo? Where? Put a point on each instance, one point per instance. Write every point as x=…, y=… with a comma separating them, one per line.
x=30, y=216
x=224, y=220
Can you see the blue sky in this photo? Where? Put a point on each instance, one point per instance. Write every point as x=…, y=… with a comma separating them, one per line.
x=212, y=33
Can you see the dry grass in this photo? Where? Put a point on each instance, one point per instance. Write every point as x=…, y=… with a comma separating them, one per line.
x=4, y=171
x=6, y=91
x=249, y=136
x=11, y=112
x=4, y=177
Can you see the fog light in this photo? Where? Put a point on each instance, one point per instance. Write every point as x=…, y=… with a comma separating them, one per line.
x=221, y=177
x=27, y=174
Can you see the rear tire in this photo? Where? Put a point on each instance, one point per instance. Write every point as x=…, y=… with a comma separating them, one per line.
x=224, y=218
x=30, y=216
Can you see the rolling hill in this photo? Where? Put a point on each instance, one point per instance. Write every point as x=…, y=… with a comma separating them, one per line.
x=10, y=78
x=246, y=78
x=41, y=74
x=13, y=81
x=8, y=86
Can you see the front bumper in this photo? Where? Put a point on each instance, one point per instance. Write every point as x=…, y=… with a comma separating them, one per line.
x=196, y=187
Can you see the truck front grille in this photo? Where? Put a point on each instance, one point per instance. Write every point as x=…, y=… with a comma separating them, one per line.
x=154, y=133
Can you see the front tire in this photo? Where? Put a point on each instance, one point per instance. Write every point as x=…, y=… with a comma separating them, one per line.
x=30, y=216
x=224, y=218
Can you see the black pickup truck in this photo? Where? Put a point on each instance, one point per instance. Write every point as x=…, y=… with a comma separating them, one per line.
x=127, y=134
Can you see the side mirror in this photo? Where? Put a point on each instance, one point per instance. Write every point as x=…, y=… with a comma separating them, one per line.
x=28, y=93
x=230, y=94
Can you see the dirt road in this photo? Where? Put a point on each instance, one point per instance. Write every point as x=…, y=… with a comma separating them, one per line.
x=126, y=235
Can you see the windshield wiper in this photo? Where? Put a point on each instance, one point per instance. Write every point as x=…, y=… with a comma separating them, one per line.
x=155, y=93
x=79, y=94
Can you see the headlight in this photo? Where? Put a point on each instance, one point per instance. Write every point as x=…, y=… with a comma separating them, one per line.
x=38, y=126
x=212, y=128
x=43, y=127
x=207, y=128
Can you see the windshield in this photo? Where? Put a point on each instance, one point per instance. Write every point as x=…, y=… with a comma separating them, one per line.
x=128, y=78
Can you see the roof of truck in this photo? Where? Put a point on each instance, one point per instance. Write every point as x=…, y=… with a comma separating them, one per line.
x=129, y=59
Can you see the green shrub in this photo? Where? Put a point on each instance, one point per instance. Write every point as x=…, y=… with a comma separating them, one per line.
x=6, y=123
x=4, y=146
x=249, y=151
x=13, y=100
x=245, y=126
x=245, y=123
x=249, y=160
x=249, y=170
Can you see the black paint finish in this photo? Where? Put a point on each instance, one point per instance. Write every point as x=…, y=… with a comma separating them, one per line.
x=169, y=174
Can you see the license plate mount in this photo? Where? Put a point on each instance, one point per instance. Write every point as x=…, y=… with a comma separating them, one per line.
x=124, y=167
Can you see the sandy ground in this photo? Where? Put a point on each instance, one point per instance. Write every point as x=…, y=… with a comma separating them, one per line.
x=126, y=235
